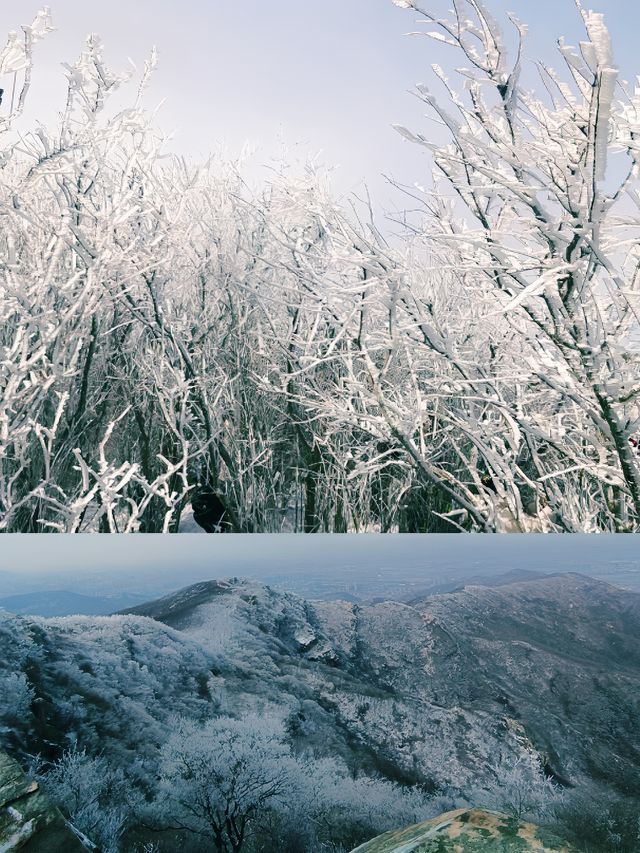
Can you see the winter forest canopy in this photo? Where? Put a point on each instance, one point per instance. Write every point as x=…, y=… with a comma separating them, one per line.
x=167, y=330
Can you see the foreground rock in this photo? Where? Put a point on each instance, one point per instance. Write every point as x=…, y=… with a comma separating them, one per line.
x=467, y=831
x=28, y=822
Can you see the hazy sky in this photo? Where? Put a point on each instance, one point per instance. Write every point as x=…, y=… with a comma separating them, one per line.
x=233, y=554
x=148, y=566
x=329, y=75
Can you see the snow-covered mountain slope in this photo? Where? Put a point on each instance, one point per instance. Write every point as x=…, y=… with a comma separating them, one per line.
x=447, y=692
x=448, y=688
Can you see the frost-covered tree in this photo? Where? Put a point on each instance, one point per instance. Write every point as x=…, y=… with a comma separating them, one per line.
x=136, y=297
x=92, y=794
x=523, y=790
x=482, y=373
x=533, y=229
x=166, y=329
x=344, y=810
x=17, y=696
x=74, y=217
x=237, y=783
x=491, y=362
x=217, y=780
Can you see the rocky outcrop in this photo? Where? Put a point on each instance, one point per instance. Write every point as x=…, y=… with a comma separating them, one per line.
x=468, y=831
x=28, y=821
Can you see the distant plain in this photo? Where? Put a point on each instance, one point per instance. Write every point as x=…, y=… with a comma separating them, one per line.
x=94, y=575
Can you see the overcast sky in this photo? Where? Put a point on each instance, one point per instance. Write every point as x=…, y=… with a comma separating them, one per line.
x=233, y=554
x=328, y=76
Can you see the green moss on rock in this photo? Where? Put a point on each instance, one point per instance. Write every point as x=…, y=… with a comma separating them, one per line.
x=467, y=831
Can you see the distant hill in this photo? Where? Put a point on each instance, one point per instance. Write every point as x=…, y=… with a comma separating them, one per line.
x=468, y=831
x=503, y=579
x=65, y=603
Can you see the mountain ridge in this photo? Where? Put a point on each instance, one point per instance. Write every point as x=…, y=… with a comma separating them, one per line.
x=450, y=693
x=476, y=649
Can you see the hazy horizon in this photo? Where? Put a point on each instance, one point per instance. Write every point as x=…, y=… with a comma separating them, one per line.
x=150, y=565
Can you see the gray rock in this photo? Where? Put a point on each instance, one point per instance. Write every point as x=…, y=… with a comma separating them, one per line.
x=28, y=822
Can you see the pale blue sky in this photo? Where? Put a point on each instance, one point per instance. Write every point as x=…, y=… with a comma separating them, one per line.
x=329, y=75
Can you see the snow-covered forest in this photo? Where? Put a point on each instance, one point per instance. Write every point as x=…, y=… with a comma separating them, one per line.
x=229, y=717
x=169, y=331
